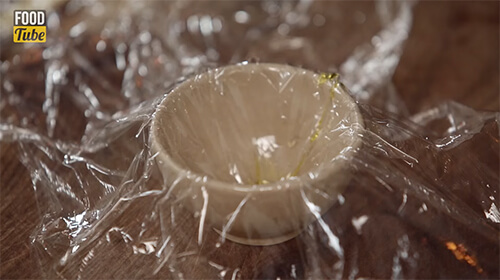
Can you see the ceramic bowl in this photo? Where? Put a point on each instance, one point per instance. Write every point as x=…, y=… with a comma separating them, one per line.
x=258, y=151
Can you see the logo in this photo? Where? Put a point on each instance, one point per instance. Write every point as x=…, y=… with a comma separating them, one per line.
x=29, y=26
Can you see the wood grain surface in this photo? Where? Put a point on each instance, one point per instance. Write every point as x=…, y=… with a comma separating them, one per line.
x=452, y=54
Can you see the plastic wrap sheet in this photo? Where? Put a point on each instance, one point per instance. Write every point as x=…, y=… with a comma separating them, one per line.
x=422, y=201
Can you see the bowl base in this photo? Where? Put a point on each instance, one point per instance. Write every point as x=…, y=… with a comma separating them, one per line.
x=259, y=242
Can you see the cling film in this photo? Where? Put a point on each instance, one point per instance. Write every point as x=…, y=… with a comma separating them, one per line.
x=410, y=197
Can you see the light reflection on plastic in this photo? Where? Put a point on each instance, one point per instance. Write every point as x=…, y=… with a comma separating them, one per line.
x=359, y=222
x=493, y=214
x=461, y=254
x=266, y=145
x=241, y=17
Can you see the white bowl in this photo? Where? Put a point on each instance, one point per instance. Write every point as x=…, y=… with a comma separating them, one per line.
x=258, y=150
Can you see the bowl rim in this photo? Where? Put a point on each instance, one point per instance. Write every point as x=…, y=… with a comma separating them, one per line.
x=160, y=153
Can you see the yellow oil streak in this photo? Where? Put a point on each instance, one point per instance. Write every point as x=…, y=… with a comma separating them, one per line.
x=323, y=78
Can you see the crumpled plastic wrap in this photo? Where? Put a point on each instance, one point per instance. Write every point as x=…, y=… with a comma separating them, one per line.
x=422, y=201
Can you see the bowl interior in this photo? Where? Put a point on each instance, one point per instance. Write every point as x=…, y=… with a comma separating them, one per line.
x=256, y=124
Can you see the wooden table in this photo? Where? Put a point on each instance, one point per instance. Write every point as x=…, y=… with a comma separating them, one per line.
x=452, y=54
